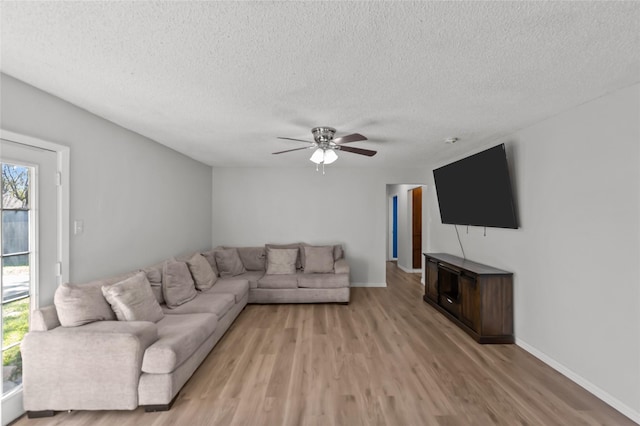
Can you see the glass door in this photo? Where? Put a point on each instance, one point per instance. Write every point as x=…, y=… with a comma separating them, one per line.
x=29, y=253
x=17, y=227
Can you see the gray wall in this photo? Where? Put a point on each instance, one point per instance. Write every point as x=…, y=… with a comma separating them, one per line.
x=140, y=201
x=346, y=205
x=576, y=255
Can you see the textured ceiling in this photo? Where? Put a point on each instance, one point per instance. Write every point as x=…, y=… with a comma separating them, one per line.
x=219, y=81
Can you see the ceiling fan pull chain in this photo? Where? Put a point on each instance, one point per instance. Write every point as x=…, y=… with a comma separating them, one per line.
x=323, y=168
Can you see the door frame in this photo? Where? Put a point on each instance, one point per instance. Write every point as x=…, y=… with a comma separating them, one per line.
x=63, y=195
x=12, y=403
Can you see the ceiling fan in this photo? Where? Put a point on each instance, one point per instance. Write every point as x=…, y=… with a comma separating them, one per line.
x=325, y=146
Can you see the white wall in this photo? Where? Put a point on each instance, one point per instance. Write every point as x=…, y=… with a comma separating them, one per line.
x=346, y=205
x=140, y=201
x=576, y=255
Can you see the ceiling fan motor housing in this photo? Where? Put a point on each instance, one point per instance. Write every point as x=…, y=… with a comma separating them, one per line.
x=323, y=135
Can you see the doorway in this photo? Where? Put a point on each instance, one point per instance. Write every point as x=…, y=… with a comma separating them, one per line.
x=32, y=248
x=404, y=226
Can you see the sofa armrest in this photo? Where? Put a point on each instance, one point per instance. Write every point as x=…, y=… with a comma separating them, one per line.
x=45, y=318
x=92, y=367
x=341, y=266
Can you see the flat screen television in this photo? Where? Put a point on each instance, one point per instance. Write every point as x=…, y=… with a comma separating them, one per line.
x=477, y=190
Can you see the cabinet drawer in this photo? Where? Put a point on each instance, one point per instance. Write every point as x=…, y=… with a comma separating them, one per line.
x=450, y=304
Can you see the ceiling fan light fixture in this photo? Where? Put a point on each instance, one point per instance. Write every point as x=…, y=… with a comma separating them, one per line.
x=330, y=156
x=318, y=156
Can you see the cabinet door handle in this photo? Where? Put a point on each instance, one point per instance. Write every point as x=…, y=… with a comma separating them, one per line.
x=449, y=300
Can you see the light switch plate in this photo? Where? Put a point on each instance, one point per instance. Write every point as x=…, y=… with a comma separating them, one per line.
x=78, y=227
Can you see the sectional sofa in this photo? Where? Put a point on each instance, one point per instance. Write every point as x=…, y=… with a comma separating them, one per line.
x=321, y=274
x=135, y=339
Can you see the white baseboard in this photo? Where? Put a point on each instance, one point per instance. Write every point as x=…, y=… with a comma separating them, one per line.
x=368, y=284
x=410, y=271
x=586, y=384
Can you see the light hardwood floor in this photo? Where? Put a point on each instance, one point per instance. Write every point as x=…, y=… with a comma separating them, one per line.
x=385, y=359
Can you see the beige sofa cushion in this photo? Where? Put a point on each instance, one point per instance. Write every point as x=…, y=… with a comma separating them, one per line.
x=318, y=259
x=177, y=284
x=251, y=276
x=235, y=286
x=201, y=272
x=78, y=304
x=279, y=281
x=281, y=261
x=211, y=303
x=145, y=332
x=323, y=280
x=133, y=300
x=178, y=338
x=229, y=263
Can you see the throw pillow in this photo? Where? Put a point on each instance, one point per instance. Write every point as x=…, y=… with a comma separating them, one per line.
x=229, y=263
x=177, y=284
x=253, y=258
x=78, y=304
x=201, y=272
x=281, y=261
x=211, y=258
x=133, y=300
x=299, y=260
x=154, y=275
x=318, y=259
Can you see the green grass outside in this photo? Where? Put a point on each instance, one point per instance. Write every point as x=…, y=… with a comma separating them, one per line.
x=15, y=317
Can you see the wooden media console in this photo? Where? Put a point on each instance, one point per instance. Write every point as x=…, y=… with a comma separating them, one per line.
x=476, y=297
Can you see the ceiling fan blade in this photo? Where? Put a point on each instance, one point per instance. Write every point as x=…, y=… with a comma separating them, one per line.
x=289, y=150
x=354, y=137
x=292, y=139
x=367, y=152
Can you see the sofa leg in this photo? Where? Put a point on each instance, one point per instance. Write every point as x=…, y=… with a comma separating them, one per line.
x=155, y=408
x=40, y=414
x=160, y=407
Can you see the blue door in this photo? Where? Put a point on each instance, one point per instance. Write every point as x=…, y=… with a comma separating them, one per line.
x=395, y=227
